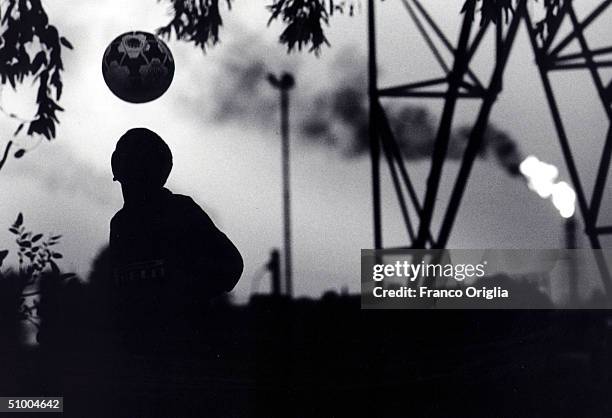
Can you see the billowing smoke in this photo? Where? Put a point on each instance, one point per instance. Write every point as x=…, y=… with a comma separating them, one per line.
x=240, y=90
x=341, y=113
x=338, y=114
x=332, y=109
x=499, y=145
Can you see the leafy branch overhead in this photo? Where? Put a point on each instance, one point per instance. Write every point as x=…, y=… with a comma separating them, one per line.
x=495, y=10
x=26, y=28
x=200, y=21
x=304, y=20
x=551, y=18
x=196, y=21
x=491, y=10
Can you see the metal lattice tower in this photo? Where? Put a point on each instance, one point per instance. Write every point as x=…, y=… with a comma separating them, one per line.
x=462, y=83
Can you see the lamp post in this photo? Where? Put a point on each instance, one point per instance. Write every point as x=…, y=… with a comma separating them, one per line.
x=284, y=83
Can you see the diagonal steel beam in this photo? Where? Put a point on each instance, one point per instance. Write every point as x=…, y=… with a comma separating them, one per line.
x=426, y=37
x=443, y=38
x=555, y=29
x=604, y=164
x=560, y=128
x=412, y=86
x=571, y=36
x=578, y=55
x=478, y=132
x=396, y=182
x=602, y=176
x=444, y=132
x=389, y=141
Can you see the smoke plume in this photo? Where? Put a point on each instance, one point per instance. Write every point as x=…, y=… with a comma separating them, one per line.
x=333, y=110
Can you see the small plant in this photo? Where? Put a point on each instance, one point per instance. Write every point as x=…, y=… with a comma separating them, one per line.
x=35, y=253
x=36, y=256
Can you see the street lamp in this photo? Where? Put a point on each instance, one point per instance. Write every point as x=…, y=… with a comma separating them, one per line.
x=284, y=83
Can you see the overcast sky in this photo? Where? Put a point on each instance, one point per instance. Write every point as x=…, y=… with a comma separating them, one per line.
x=232, y=168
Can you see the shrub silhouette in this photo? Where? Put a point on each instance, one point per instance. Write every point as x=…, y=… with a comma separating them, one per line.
x=20, y=289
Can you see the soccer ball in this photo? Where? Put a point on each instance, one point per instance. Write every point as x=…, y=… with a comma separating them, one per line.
x=138, y=67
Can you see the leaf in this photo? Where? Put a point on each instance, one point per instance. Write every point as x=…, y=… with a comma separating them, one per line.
x=58, y=94
x=38, y=61
x=19, y=220
x=54, y=267
x=3, y=255
x=37, y=237
x=19, y=128
x=65, y=42
x=57, y=255
x=20, y=153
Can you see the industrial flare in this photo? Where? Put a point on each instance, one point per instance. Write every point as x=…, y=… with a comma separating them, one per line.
x=542, y=179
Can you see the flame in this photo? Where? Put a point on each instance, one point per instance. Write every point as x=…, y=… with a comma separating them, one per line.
x=564, y=199
x=541, y=178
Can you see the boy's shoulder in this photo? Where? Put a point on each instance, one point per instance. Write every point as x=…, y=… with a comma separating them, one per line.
x=117, y=217
x=181, y=200
x=176, y=203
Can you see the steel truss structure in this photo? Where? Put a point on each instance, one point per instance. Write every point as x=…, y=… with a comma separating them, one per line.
x=461, y=83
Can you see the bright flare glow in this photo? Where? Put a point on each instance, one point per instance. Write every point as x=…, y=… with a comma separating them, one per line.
x=564, y=199
x=541, y=178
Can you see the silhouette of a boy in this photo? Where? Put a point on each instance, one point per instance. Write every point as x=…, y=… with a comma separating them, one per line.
x=168, y=257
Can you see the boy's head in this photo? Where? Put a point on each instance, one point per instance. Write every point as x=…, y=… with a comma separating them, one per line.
x=141, y=158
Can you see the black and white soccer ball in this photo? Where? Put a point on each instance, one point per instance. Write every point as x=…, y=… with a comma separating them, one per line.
x=138, y=67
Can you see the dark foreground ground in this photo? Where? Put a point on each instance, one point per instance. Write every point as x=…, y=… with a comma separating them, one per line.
x=330, y=359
